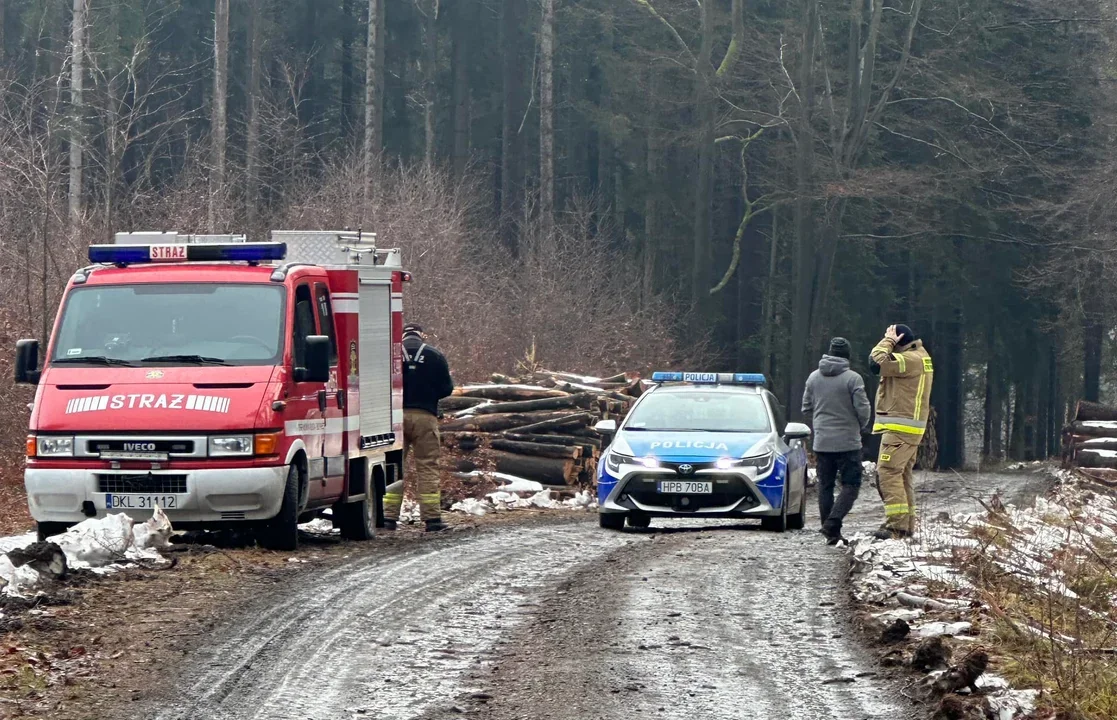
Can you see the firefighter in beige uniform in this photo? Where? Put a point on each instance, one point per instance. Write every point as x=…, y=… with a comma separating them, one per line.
x=426, y=380
x=902, y=410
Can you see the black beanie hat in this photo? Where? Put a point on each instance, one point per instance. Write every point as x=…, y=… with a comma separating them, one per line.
x=907, y=336
x=839, y=347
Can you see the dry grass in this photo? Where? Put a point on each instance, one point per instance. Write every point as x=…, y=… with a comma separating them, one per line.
x=1055, y=622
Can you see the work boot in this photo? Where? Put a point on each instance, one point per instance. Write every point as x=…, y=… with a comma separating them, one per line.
x=886, y=533
x=435, y=525
x=389, y=525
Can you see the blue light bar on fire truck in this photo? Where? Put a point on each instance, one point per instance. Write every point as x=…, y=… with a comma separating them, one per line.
x=201, y=252
x=709, y=378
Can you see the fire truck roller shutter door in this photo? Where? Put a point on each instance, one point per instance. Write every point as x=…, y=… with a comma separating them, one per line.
x=376, y=358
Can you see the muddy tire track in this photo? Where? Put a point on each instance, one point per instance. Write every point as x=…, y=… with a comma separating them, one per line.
x=385, y=636
x=720, y=623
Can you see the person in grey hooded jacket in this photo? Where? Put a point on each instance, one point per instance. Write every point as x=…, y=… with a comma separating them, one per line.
x=839, y=409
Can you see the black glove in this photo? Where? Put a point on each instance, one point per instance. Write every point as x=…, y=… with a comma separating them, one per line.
x=874, y=367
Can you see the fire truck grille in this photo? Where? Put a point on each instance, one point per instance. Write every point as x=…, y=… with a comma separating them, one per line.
x=142, y=484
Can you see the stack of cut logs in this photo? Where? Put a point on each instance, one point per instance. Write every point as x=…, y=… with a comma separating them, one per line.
x=538, y=427
x=1090, y=442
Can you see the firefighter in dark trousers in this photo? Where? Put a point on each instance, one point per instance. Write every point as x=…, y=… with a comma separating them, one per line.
x=426, y=380
x=835, y=400
x=903, y=406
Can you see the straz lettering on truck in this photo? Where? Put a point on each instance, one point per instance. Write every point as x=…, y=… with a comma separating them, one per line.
x=690, y=444
x=148, y=401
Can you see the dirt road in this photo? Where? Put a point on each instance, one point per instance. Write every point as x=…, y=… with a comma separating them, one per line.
x=563, y=620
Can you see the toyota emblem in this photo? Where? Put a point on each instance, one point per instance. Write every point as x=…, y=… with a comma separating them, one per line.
x=686, y=469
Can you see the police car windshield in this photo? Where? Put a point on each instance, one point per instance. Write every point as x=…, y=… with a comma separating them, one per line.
x=171, y=324
x=700, y=411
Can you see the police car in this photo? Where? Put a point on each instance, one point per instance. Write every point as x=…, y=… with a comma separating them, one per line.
x=703, y=445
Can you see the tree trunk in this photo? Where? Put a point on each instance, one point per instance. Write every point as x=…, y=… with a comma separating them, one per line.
x=951, y=395
x=374, y=94
x=549, y=471
x=990, y=426
x=804, y=252
x=770, y=295
x=511, y=170
x=1087, y=411
x=521, y=422
x=77, y=105
x=541, y=450
x=348, y=75
x=1042, y=407
x=651, y=218
x=464, y=25
x=430, y=79
x=547, y=119
x=583, y=400
x=1056, y=418
x=1018, y=442
x=1093, y=337
x=219, y=118
x=1095, y=459
x=703, y=200
x=252, y=138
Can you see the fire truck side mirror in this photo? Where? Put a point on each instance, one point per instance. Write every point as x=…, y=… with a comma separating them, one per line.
x=27, y=362
x=317, y=368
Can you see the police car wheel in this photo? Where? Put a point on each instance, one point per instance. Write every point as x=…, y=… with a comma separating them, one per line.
x=282, y=531
x=799, y=519
x=779, y=522
x=611, y=521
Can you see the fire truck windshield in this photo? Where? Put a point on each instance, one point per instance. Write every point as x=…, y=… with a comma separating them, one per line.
x=171, y=324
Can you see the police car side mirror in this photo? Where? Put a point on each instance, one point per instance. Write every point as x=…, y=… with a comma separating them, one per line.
x=606, y=427
x=27, y=362
x=796, y=431
x=317, y=358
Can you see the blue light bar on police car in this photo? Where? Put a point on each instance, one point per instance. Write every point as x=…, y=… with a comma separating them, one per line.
x=182, y=252
x=709, y=378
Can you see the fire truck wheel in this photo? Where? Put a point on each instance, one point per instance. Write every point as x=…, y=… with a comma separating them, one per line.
x=50, y=529
x=282, y=531
x=357, y=520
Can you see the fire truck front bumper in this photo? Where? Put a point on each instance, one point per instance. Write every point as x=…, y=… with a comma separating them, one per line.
x=189, y=497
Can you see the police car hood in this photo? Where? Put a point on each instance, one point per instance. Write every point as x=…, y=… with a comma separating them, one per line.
x=139, y=399
x=694, y=446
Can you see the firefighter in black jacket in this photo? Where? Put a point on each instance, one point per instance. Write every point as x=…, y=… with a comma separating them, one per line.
x=426, y=380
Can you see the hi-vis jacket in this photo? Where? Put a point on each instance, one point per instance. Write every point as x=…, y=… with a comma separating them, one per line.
x=903, y=399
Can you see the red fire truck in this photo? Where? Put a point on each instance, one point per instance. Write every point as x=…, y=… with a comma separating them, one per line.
x=226, y=381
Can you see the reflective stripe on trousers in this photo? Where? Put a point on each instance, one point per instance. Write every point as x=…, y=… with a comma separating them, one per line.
x=421, y=442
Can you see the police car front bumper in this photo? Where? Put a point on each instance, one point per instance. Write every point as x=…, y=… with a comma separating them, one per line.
x=212, y=495
x=736, y=493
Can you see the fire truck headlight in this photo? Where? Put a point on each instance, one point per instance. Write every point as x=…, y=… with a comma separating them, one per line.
x=53, y=446
x=230, y=446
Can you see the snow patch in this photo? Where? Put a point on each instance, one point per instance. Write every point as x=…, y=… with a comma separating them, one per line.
x=320, y=526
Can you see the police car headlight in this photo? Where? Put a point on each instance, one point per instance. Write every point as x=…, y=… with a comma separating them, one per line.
x=613, y=461
x=230, y=446
x=761, y=462
x=54, y=447
x=726, y=463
